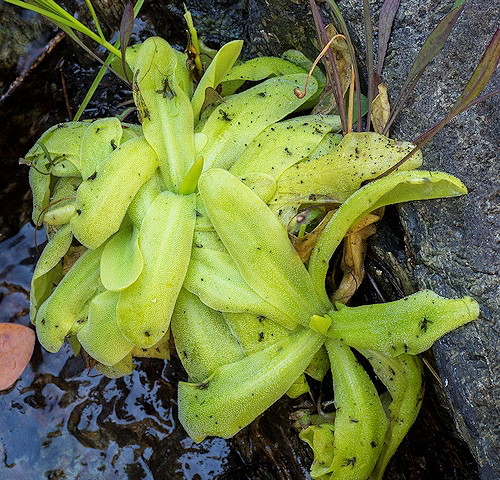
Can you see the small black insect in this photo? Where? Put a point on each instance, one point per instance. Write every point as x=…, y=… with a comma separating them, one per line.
x=424, y=324
x=349, y=461
x=224, y=115
x=166, y=91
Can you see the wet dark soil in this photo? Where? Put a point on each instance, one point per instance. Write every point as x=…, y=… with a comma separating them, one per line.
x=62, y=421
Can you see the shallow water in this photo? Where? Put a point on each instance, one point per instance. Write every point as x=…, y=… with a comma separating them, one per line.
x=62, y=421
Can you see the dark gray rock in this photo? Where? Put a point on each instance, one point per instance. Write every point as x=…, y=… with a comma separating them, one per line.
x=456, y=241
x=22, y=36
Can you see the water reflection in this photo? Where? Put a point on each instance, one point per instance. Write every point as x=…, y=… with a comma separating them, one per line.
x=61, y=421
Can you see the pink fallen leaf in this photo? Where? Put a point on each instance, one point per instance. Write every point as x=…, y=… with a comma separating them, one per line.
x=16, y=347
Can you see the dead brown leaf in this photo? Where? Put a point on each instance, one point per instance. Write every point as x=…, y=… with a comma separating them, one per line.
x=355, y=245
x=212, y=98
x=381, y=109
x=305, y=244
x=16, y=347
x=343, y=60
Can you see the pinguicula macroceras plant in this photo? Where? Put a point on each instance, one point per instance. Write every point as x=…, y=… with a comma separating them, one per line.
x=182, y=225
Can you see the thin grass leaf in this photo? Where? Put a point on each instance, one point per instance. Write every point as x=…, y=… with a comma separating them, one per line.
x=193, y=42
x=54, y=7
x=479, y=79
x=93, y=88
x=126, y=26
x=50, y=14
x=96, y=20
x=102, y=71
x=60, y=20
x=431, y=47
x=342, y=27
x=385, y=21
x=482, y=98
x=77, y=25
x=192, y=30
x=369, y=58
x=481, y=76
x=332, y=72
x=434, y=43
x=82, y=45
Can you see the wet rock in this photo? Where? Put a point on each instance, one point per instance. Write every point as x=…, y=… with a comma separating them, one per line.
x=22, y=34
x=265, y=26
x=455, y=242
x=276, y=26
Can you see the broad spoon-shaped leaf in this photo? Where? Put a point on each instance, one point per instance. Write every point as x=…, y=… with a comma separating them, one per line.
x=56, y=316
x=144, y=308
x=235, y=123
x=164, y=109
x=259, y=245
x=396, y=188
x=202, y=337
x=358, y=157
x=121, y=261
x=214, y=277
x=48, y=268
x=103, y=199
x=216, y=71
x=404, y=378
x=286, y=143
x=360, y=420
x=237, y=393
x=100, y=139
x=100, y=336
x=409, y=325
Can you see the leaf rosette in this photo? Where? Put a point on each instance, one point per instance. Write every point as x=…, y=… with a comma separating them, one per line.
x=183, y=225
